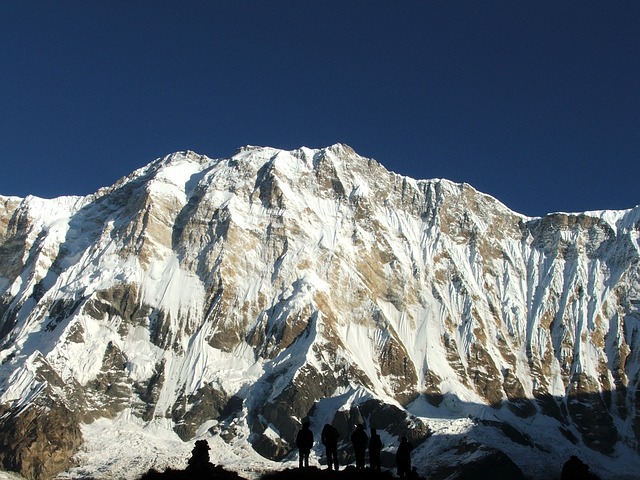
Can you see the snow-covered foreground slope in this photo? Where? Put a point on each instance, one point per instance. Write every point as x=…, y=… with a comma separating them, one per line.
x=230, y=299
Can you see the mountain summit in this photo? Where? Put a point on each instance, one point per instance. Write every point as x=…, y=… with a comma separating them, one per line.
x=232, y=299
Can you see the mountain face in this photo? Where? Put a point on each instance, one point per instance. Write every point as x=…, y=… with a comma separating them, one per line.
x=231, y=299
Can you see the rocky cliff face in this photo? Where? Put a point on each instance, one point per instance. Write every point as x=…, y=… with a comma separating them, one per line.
x=230, y=299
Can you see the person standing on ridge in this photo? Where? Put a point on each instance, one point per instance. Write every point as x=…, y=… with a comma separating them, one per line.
x=403, y=458
x=359, y=441
x=304, y=442
x=375, y=445
x=329, y=438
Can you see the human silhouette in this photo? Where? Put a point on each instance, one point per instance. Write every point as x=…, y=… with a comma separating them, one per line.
x=329, y=438
x=575, y=469
x=304, y=442
x=199, y=461
x=359, y=441
x=375, y=445
x=403, y=458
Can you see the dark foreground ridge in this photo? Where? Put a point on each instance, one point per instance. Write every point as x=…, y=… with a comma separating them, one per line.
x=314, y=473
x=477, y=472
x=497, y=467
x=482, y=470
x=215, y=472
x=210, y=472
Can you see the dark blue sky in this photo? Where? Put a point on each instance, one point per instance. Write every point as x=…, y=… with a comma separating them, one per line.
x=536, y=103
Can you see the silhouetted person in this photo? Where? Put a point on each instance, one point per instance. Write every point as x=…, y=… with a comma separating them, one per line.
x=304, y=442
x=403, y=458
x=575, y=469
x=329, y=438
x=375, y=445
x=359, y=441
x=199, y=460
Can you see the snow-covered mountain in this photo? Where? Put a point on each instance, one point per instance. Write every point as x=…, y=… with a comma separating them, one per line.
x=230, y=299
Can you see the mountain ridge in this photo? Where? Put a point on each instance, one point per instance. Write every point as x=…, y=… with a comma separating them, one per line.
x=231, y=298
